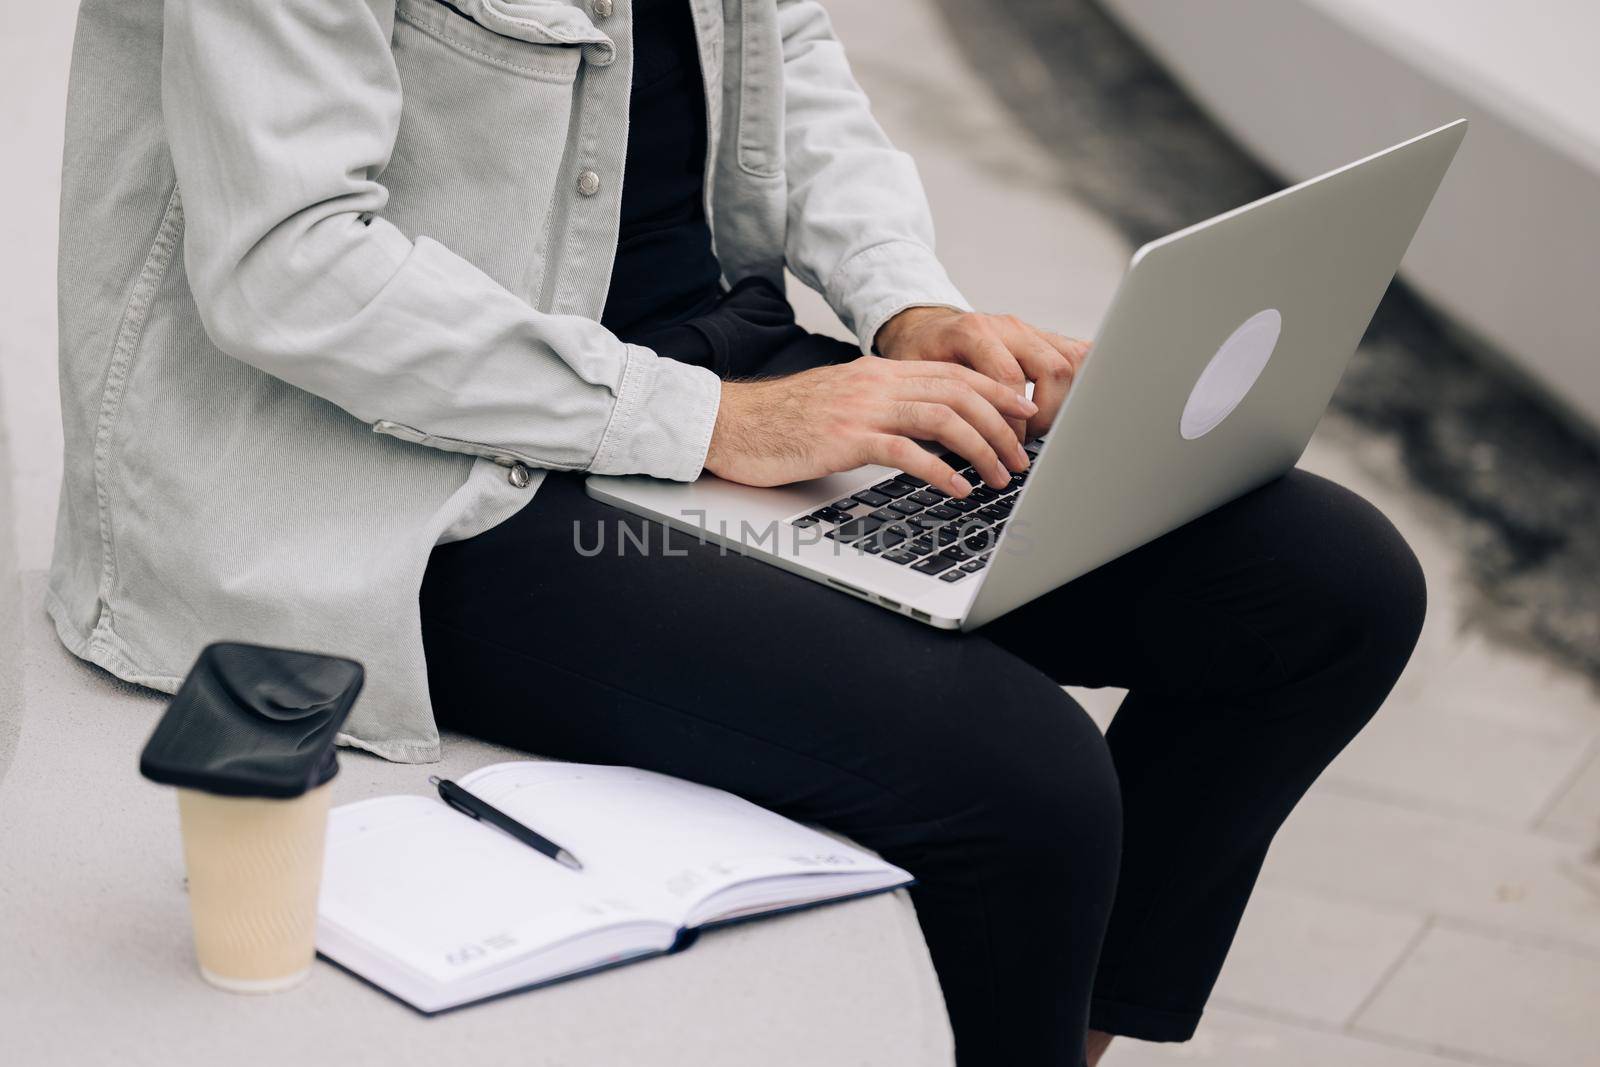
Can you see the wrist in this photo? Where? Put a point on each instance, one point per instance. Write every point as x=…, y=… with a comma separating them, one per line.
x=722, y=431
x=892, y=334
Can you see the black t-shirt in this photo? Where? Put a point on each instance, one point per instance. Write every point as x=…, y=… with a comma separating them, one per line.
x=665, y=271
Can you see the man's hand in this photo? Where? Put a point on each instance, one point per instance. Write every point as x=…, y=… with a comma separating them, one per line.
x=870, y=410
x=1003, y=347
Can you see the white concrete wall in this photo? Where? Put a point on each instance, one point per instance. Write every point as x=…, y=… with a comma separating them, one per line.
x=33, y=63
x=1511, y=247
x=34, y=54
x=10, y=614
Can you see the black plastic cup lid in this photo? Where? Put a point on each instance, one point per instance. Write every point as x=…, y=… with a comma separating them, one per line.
x=254, y=721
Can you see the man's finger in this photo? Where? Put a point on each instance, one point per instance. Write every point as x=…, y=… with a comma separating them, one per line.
x=1012, y=403
x=1050, y=370
x=983, y=415
x=993, y=359
x=1074, y=349
x=902, y=453
x=936, y=422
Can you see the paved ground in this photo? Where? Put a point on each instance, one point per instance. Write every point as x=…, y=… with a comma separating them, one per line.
x=1436, y=900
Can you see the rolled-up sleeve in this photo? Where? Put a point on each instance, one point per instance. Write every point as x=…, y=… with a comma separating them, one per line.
x=859, y=228
x=281, y=117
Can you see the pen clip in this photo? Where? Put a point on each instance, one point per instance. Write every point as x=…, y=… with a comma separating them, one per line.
x=447, y=794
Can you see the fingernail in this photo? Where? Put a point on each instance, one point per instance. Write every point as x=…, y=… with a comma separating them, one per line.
x=959, y=485
x=1022, y=457
x=1027, y=405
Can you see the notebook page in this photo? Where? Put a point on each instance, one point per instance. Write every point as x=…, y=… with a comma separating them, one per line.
x=450, y=898
x=672, y=843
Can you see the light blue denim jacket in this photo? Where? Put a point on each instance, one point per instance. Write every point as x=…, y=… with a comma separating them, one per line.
x=329, y=280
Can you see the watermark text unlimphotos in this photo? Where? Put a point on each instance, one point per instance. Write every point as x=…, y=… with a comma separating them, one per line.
x=621, y=537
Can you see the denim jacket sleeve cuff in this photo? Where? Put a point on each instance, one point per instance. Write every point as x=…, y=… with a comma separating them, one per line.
x=883, y=280
x=662, y=421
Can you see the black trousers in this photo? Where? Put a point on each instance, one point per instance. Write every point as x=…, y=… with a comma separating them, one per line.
x=1066, y=880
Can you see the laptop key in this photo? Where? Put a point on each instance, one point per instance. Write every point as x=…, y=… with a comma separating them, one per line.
x=969, y=539
x=906, y=507
x=962, y=506
x=804, y=521
x=856, y=529
x=944, y=514
x=889, y=536
x=843, y=505
x=952, y=576
x=871, y=499
x=900, y=556
x=830, y=515
x=973, y=566
x=933, y=565
x=922, y=545
x=896, y=489
x=926, y=499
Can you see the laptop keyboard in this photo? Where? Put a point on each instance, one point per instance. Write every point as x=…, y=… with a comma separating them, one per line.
x=906, y=521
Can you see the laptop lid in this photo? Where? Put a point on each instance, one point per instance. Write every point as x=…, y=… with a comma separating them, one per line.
x=1215, y=362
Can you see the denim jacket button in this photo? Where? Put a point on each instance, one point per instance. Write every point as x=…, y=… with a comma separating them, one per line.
x=588, y=183
x=602, y=9
x=518, y=476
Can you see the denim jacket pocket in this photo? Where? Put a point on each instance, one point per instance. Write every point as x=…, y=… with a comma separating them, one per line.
x=485, y=119
x=760, y=132
x=555, y=22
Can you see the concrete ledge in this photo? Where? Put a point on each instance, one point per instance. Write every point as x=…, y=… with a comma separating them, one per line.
x=99, y=964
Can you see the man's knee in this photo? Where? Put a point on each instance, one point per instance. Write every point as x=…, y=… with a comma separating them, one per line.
x=1403, y=589
x=1035, y=793
x=1070, y=820
x=1373, y=586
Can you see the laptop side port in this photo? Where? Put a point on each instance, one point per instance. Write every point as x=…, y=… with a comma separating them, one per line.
x=889, y=602
x=863, y=594
x=923, y=616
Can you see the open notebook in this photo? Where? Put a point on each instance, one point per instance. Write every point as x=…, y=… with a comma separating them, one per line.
x=442, y=911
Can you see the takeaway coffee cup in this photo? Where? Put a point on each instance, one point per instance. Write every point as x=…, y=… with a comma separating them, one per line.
x=249, y=742
x=255, y=865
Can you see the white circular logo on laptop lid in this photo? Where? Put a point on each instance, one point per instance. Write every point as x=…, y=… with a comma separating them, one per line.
x=1230, y=374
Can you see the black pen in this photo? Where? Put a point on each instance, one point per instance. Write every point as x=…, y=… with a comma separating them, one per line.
x=479, y=809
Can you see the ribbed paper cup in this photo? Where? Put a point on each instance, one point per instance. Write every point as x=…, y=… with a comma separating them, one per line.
x=255, y=866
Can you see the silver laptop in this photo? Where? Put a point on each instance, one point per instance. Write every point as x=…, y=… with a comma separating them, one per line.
x=1214, y=363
